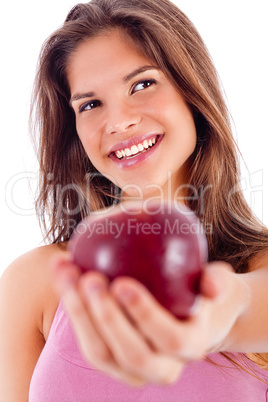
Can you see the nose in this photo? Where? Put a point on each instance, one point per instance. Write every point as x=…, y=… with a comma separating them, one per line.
x=121, y=118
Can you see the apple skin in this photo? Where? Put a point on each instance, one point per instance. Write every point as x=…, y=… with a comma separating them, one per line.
x=162, y=246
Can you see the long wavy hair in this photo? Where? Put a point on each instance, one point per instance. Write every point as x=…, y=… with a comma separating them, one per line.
x=70, y=186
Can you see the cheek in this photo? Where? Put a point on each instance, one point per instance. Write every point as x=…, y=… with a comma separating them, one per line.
x=181, y=125
x=180, y=116
x=88, y=134
x=169, y=107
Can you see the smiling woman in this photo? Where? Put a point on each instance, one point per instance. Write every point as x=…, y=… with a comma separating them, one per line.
x=134, y=103
x=127, y=103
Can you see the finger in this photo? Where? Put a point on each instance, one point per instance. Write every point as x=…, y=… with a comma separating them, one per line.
x=65, y=279
x=209, y=285
x=213, y=279
x=66, y=282
x=64, y=274
x=91, y=344
x=129, y=348
x=167, y=334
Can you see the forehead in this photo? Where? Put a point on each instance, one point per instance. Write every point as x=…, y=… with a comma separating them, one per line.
x=110, y=53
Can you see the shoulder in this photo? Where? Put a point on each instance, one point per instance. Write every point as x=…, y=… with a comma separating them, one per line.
x=27, y=307
x=29, y=272
x=260, y=260
x=26, y=284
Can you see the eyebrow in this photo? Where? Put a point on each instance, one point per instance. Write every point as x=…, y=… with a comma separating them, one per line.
x=126, y=79
x=138, y=71
x=79, y=95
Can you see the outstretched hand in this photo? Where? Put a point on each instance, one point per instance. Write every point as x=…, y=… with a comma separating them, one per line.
x=122, y=329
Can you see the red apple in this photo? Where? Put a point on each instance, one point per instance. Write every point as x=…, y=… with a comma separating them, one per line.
x=162, y=245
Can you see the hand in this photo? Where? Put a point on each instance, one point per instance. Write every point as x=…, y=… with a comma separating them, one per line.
x=123, y=331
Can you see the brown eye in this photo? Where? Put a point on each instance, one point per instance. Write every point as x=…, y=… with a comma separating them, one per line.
x=90, y=105
x=141, y=85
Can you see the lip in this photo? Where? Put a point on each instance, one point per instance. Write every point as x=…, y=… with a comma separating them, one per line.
x=132, y=141
x=135, y=159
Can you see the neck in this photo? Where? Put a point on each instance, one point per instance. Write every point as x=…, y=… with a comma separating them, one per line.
x=173, y=190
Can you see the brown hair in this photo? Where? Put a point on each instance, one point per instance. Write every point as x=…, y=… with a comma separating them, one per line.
x=70, y=186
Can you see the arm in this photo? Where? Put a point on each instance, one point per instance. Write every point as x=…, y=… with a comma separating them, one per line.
x=156, y=348
x=25, y=305
x=250, y=332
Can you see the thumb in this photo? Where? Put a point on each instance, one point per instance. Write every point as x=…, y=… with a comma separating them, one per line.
x=214, y=278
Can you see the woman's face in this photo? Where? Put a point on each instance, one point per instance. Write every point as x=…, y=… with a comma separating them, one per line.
x=135, y=127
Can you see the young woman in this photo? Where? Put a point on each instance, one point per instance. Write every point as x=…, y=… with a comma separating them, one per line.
x=128, y=104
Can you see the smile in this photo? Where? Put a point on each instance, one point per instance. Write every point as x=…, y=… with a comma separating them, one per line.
x=136, y=149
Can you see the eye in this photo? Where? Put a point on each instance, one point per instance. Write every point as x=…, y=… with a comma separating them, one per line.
x=141, y=85
x=90, y=105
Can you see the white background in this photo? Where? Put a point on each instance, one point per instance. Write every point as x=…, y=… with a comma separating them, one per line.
x=236, y=34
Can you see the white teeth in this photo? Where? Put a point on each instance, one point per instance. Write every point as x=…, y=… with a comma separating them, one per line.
x=119, y=154
x=127, y=152
x=145, y=144
x=135, y=149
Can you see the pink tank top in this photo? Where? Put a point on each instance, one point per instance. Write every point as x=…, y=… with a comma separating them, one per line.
x=62, y=375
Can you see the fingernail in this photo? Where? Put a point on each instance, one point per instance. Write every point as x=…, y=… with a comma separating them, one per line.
x=96, y=288
x=65, y=284
x=126, y=295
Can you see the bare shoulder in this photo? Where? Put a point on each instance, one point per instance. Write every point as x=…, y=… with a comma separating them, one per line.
x=259, y=261
x=27, y=307
x=27, y=282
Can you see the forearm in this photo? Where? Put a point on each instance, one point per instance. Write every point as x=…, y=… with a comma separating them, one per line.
x=249, y=333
